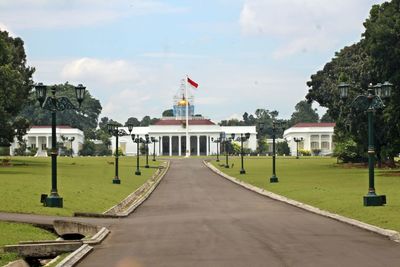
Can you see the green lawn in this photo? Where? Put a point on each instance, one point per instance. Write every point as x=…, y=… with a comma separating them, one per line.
x=12, y=233
x=85, y=183
x=322, y=183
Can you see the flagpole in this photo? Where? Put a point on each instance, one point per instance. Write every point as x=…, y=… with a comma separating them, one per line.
x=187, y=119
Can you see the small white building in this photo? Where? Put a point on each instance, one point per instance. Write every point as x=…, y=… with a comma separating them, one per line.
x=40, y=137
x=170, y=133
x=314, y=136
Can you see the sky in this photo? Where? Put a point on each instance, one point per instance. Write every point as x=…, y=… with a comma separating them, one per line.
x=132, y=54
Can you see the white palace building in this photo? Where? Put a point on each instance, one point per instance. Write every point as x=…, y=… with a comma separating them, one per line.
x=171, y=133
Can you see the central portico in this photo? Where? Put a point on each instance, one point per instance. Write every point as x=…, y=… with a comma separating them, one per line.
x=172, y=132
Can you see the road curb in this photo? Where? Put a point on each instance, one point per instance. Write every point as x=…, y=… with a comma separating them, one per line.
x=391, y=234
x=135, y=199
x=73, y=258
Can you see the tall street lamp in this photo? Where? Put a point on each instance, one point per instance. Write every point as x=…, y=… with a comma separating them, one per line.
x=227, y=141
x=54, y=104
x=154, y=141
x=114, y=130
x=297, y=140
x=274, y=178
x=146, y=147
x=370, y=102
x=242, y=138
x=137, y=139
x=218, y=142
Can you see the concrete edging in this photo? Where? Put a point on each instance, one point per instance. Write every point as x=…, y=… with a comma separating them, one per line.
x=135, y=199
x=391, y=234
x=73, y=258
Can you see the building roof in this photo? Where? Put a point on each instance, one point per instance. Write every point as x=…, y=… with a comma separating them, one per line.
x=314, y=124
x=180, y=122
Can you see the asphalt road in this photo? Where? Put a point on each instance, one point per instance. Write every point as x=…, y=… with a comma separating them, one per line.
x=197, y=218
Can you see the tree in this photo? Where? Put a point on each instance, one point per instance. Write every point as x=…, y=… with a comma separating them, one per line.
x=132, y=120
x=84, y=119
x=145, y=121
x=304, y=113
x=326, y=118
x=382, y=42
x=282, y=148
x=15, y=85
x=168, y=113
x=88, y=149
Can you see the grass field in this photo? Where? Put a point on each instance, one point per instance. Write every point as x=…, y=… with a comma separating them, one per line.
x=12, y=233
x=322, y=183
x=85, y=183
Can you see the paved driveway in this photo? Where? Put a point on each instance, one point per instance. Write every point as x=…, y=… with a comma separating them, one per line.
x=196, y=218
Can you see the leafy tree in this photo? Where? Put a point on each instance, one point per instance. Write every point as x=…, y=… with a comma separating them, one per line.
x=168, y=113
x=262, y=146
x=382, y=42
x=132, y=120
x=326, y=118
x=84, y=119
x=282, y=148
x=88, y=148
x=304, y=113
x=145, y=121
x=15, y=85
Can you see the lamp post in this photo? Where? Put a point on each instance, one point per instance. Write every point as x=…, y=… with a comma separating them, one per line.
x=297, y=140
x=226, y=142
x=54, y=104
x=154, y=141
x=114, y=130
x=370, y=102
x=242, y=138
x=218, y=142
x=137, y=139
x=146, y=147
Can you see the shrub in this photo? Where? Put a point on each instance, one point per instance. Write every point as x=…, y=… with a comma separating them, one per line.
x=316, y=151
x=347, y=151
x=304, y=152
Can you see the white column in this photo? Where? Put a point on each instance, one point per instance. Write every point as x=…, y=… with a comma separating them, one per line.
x=179, y=145
x=207, y=144
x=198, y=145
x=47, y=141
x=160, y=148
x=170, y=145
x=37, y=143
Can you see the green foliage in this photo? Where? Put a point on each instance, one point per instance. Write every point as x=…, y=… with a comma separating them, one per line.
x=262, y=146
x=315, y=151
x=375, y=58
x=85, y=119
x=235, y=148
x=304, y=113
x=15, y=85
x=4, y=150
x=282, y=148
x=304, y=152
x=168, y=113
x=88, y=149
x=348, y=151
x=133, y=121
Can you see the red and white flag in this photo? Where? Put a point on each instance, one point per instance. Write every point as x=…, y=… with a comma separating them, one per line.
x=192, y=83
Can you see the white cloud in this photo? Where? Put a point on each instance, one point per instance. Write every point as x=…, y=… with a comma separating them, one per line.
x=104, y=71
x=304, y=25
x=27, y=14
